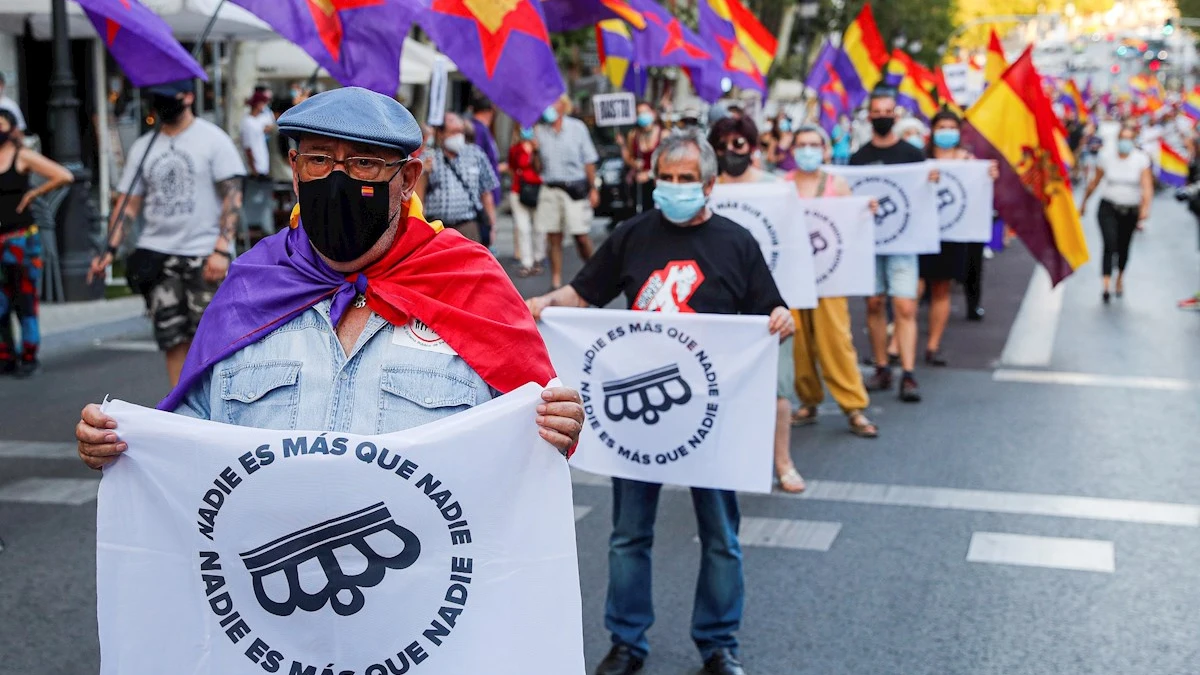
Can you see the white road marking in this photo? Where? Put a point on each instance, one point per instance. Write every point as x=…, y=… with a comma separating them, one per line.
x=1030, y=341
x=1094, y=380
x=801, y=535
x=1083, y=555
x=581, y=511
x=37, y=450
x=126, y=345
x=985, y=501
x=68, y=491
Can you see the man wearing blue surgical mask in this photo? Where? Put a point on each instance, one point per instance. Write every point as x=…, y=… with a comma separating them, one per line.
x=678, y=257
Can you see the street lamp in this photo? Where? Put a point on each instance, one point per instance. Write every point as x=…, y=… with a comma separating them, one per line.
x=76, y=218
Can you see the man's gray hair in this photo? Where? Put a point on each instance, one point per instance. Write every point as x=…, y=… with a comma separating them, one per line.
x=679, y=143
x=814, y=129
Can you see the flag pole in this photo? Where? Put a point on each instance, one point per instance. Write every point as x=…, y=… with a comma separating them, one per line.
x=137, y=175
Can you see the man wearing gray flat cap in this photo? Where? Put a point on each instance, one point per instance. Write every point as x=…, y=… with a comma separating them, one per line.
x=362, y=317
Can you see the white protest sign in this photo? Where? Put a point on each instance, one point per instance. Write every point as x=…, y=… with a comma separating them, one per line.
x=964, y=199
x=438, y=83
x=615, y=110
x=906, y=221
x=957, y=77
x=840, y=230
x=687, y=399
x=772, y=213
x=445, y=549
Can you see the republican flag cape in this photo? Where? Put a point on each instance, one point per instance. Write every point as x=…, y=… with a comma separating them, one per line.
x=437, y=276
x=1014, y=124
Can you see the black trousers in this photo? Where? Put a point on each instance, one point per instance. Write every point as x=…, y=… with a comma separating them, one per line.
x=1117, y=225
x=973, y=280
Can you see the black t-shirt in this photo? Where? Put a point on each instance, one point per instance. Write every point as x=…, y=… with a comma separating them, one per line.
x=716, y=267
x=900, y=153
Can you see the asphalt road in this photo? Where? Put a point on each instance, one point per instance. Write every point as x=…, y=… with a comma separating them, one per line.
x=911, y=566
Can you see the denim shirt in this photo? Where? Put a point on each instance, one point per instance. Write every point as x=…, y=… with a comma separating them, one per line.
x=299, y=377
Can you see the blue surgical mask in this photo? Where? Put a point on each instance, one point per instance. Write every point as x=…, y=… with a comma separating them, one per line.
x=1124, y=146
x=679, y=202
x=645, y=119
x=808, y=159
x=916, y=141
x=785, y=125
x=550, y=115
x=527, y=134
x=947, y=138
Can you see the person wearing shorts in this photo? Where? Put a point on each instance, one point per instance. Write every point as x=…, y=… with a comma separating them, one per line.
x=566, y=159
x=189, y=193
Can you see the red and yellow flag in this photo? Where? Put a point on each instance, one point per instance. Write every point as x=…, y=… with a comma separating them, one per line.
x=996, y=61
x=1013, y=122
x=866, y=49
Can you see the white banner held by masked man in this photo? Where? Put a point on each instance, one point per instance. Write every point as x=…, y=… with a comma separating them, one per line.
x=964, y=199
x=772, y=213
x=225, y=550
x=686, y=399
x=906, y=221
x=841, y=232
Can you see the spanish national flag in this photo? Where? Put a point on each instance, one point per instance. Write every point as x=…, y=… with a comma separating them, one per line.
x=866, y=49
x=1172, y=166
x=1013, y=123
x=997, y=63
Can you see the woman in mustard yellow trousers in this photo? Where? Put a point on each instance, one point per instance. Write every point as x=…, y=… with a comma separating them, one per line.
x=823, y=336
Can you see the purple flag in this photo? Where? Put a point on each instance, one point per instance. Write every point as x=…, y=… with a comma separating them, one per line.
x=731, y=66
x=839, y=90
x=357, y=41
x=503, y=48
x=141, y=42
x=567, y=15
x=665, y=41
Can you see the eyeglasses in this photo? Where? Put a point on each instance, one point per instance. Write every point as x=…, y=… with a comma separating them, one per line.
x=315, y=166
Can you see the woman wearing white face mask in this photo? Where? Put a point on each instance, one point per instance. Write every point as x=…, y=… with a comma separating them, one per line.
x=1128, y=188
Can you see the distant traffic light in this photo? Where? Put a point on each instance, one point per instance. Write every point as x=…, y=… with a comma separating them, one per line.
x=1169, y=27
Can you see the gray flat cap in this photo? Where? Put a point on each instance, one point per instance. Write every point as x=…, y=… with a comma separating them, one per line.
x=354, y=114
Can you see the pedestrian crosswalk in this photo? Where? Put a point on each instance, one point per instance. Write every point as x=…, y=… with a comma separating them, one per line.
x=794, y=534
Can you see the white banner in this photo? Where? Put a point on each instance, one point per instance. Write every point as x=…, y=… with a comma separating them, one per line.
x=613, y=110
x=906, y=221
x=445, y=549
x=964, y=199
x=438, y=83
x=687, y=399
x=841, y=231
x=772, y=213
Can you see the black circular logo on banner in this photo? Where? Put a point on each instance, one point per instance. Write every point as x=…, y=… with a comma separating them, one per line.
x=951, y=201
x=827, y=246
x=650, y=391
x=894, y=208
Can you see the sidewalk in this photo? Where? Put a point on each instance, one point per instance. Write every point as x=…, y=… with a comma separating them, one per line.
x=72, y=316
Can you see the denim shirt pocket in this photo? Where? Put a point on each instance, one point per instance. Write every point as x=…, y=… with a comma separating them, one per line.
x=265, y=394
x=412, y=395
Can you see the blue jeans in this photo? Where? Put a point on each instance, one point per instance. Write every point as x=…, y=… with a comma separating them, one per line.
x=720, y=589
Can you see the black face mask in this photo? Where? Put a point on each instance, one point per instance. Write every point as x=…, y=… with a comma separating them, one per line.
x=883, y=125
x=733, y=163
x=168, y=108
x=5, y=136
x=344, y=217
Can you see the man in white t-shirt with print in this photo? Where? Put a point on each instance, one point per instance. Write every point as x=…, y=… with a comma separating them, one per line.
x=258, y=190
x=190, y=195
